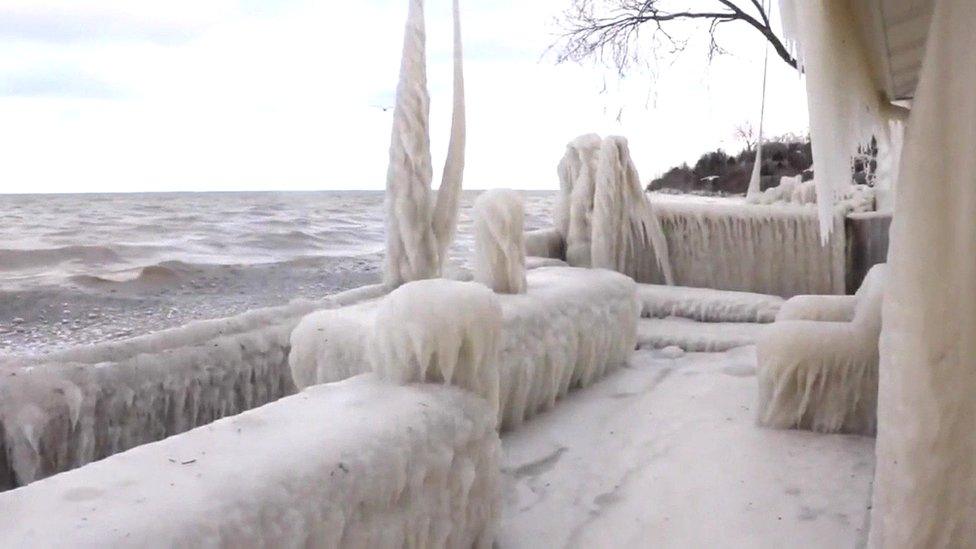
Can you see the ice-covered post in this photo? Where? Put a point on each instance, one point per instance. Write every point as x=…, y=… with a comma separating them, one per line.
x=499, y=241
x=418, y=230
x=577, y=171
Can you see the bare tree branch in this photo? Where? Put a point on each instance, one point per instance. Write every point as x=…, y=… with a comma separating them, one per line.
x=609, y=30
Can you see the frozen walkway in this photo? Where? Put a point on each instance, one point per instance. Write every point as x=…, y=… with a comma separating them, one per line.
x=665, y=453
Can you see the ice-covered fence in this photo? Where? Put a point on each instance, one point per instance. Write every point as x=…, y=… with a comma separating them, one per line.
x=64, y=410
x=754, y=248
x=568, y=330
x=353, y=464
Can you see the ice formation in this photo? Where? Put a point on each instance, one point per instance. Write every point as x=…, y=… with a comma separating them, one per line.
x=577, y=180
x=925, y=482
x=352, y=464
x=64, y=410
x=706, y=304
x=753, y=248
x=821, y=373
x=331, y=345
x=845, y=107
x=419, y=231
x=499, y=241
x=439, y=331
x=569, y=329
x=626, y=235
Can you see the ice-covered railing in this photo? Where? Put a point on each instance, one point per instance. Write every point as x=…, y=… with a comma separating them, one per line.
x=569, y=329
x=768, y=249
x=353, y=464
x=66, y=409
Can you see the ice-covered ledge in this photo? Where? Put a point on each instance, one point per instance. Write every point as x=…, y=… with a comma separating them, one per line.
x=354, y=464
x=67, y=409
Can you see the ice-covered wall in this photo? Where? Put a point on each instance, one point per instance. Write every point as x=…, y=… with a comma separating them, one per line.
x=570, y=328
x=353, y=464
x=63, y=410
x=626, y=233
x=925, y=481
x=754, y=248
x=499, y=241
x=418, y=229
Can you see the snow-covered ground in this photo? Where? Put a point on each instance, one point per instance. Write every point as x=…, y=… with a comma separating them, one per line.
x=666, y=453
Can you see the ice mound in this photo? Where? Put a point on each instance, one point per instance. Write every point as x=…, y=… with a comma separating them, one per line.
x=707, y=305
x=822, y=374
x=353, y=464
x=439, y=331
x=499, y=241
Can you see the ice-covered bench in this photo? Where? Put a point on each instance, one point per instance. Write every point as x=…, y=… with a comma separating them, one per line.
x=568, y=330
x=358, y=463
x=818, y=363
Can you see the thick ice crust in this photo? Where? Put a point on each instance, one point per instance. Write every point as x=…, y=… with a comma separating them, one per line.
x=89, y=403
x=354, y=464
x=823, y=375
x=707, y=305
x=752, y=248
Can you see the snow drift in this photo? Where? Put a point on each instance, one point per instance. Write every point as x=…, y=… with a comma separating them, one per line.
x=499, y=241
x=353, y=464
x=822, y=374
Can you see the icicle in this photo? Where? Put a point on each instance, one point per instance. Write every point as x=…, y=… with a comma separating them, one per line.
x=845, y=106
x=417, y=232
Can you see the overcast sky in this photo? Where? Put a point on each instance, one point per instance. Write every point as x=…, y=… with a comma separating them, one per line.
x=174, y=95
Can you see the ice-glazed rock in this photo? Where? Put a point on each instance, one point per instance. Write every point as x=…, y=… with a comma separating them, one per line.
x=439, y=331
x=358, y=463
x=499, y=241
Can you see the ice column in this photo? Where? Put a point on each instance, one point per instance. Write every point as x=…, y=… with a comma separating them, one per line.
x=418, y=231
x=577, y=173
x=925, y=480
x=499, y=241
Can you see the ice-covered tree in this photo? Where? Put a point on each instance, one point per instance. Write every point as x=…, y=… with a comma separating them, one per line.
x=419, y=229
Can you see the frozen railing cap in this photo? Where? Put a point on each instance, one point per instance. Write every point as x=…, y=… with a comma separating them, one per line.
x=499, y=241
